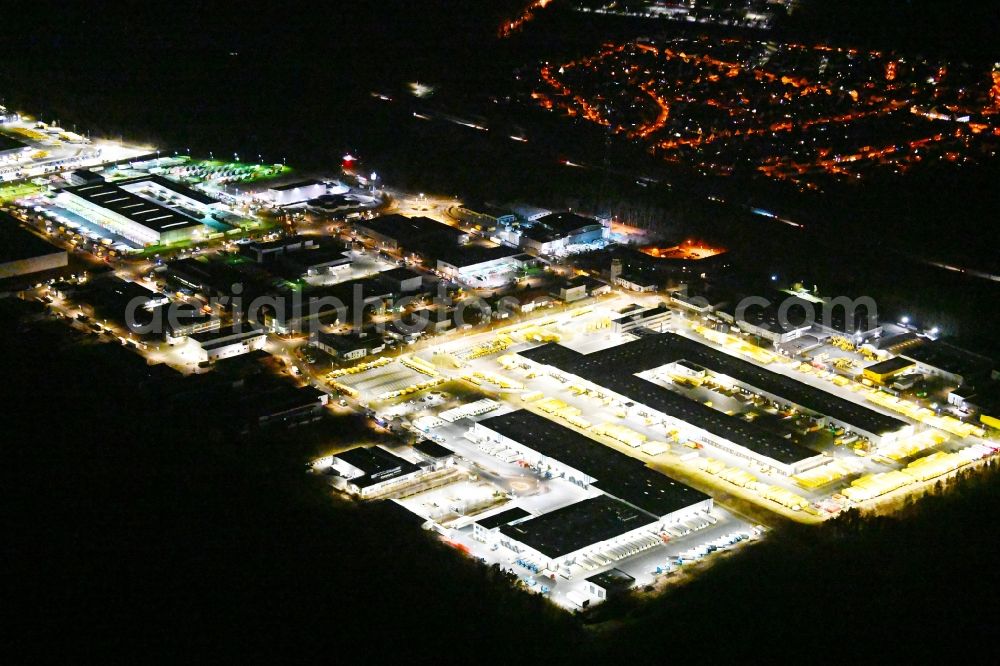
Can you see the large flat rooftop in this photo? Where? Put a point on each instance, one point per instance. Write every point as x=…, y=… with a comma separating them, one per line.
x=618, y=364
x=138, y=209
x=171, y=185
x=949, y=358
x=578, y=525
x=617, y=474
x=406, y=230
x=616, y=369
x=567, y=222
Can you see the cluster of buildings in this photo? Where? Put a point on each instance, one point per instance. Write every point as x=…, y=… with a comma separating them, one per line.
x=618, y=371
x=779, y=316
x=30, y=149
x=372, y=472
x=448, y=250
x=633, y=500
x=552, y=235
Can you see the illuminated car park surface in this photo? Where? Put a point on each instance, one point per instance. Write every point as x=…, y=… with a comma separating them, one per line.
x=844, y=479
x=50, y=149
x=522, y=484
x=399, y=390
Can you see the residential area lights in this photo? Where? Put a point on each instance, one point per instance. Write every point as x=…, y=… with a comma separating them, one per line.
x=746, y=102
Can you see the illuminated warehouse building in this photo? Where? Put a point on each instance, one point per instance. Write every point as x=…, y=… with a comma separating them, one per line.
x=617, y=371
x=149, y=210
x=635, y=503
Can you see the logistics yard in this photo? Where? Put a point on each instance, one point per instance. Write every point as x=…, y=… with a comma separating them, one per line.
x=547, y=398
x=551, y=441
x=590, y=441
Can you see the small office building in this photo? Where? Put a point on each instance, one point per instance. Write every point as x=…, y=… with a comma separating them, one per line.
x=229, y=342
x=883, y=371
x=371, y=471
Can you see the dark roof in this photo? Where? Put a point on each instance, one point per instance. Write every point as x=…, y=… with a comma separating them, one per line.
x=613, y=580
x=227, y=334
x=179, y=188
x=143, y=211
x=896, y=340
x=400, y=274
x=434, y=239
x=617, y=474
x=894, y=364
x=377, y=464
x=345, y=342
x=432, y=449
x=10, y=143
x=88, y=176
x=471, y=254
x=125, y=290
x=17, y=244
x=615, y=369
x=639, y=276
x=558, y=225
x=656, y=350
x=286, y=400
x=578, y=525
x=279, y=244
x=949, y=358
x=503, y=518
x=768, y=318
x=639, y=315
x=586, y=281
x=433, y=315
x=409, y=229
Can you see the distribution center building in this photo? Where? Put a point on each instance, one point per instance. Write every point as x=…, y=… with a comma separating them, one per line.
x=616, y=371
x=636, y=502
x=149, y=210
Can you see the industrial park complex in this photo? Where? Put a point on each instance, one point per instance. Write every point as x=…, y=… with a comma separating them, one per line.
x=577, y=406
